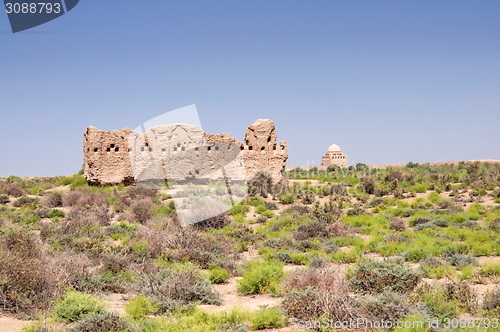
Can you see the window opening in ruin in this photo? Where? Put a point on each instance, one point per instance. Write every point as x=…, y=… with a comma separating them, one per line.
x=150, y=149
x=274, y=147
x=162, y=149
x=183, y=149
x=282, y=147
x=216, y=148
x=129, y=149
x=269, y=139
x=108, y=149
x=95, y=150
x=196, y=149
x=250, y=148
x=242, y=148
x=208, y=148
x=262, y=148
x=116, y=149
x=142, y=148
x=112, y=145
x=212, y=144
x=175, y=148
x=178, y=145
x=197, y=171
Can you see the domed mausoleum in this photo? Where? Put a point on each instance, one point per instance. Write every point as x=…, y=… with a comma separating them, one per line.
x=334, y=156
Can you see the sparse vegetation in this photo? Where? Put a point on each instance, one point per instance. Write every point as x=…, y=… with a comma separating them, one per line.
x=63, y=251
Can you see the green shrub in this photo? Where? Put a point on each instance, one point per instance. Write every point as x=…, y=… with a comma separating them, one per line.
x=375, y=277
x=457, y=218
x=261, y=208
x=40, y=326
x=286, y=198
x=218, y=275
x=140, y=307
x=268, y=214
x=434, y=197
x=260, y=277
x=437, y=302
x=255, y=201
x=418, y=188
x=101, y=322
x=75, y=305
x=490, y=269
x=266, y=318
x=347, y=256
x=55, y=213
x=237, y=209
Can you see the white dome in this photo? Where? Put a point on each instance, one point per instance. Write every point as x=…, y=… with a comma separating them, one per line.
x=334, y=148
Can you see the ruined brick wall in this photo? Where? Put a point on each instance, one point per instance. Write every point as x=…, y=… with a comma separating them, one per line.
x=106, y=159
x=262, y=153
x=180, y=152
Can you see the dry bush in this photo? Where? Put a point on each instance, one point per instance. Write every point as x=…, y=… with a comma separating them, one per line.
x=444, y=205
x=317, y=229
x=375, y=277
x=26, y=283
x=313, y=294
x=217, y=222
x=4, y=199
x=71, y=198
x=175, y=287
x=492, y=300
x=142, y=210
x=81, y=231
x=52, y=200
x=13, y=189
x=397, y=224
x=461, y=291
x=101, y=322
x=24, y=201
x=137, y=193
x=387, y=306
x=295, y=211
x=76, y=271
x=96, y=216
x=190, y=244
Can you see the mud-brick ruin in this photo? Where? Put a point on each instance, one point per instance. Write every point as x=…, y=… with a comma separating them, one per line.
x=180, y=152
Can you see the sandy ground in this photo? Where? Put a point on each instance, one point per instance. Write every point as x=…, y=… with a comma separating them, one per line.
x=11, y=324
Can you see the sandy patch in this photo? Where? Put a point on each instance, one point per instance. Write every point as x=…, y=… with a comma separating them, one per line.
x=232, y=299
x=59, y=188
x=9, y=324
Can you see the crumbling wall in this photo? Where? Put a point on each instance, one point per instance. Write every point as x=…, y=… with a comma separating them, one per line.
x=261, y=151
x=106, y=158
x=181, y=152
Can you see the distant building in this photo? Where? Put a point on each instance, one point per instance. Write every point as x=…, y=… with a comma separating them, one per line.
x=334, y=156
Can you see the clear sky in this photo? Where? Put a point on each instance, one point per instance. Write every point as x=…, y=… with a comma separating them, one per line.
x=388, y=81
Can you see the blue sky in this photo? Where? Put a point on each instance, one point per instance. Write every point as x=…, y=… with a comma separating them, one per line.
x=388, y=81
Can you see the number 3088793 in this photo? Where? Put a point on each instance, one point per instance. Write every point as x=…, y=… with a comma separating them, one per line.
x=33, y=8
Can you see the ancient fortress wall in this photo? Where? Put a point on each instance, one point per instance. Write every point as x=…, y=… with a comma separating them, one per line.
x=180, y=152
